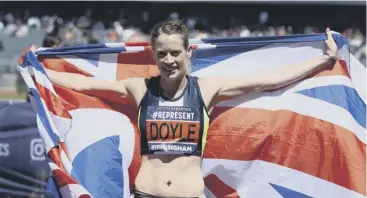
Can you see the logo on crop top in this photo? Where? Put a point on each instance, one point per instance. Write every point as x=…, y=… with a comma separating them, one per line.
x=172, y=129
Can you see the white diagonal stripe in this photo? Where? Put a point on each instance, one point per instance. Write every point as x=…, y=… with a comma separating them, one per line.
x=250, y=177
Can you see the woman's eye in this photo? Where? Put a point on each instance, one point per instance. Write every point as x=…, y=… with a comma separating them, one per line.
x=175, y=53
x=161, y=54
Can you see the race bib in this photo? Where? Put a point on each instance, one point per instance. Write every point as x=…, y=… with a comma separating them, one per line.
x=172, y=129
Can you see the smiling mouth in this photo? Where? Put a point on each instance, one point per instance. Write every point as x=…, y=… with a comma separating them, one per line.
x=169, y=69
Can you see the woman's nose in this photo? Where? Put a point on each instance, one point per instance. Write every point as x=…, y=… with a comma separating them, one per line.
x=169, y=59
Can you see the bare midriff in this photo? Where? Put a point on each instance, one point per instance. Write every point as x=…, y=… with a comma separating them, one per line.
x=170, y=176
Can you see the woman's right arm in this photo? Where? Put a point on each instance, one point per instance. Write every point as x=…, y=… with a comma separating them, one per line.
x=87, y=85
x=133, y=88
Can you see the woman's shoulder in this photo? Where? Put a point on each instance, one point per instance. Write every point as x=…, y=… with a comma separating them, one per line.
x=142, y=80
x=204, y=81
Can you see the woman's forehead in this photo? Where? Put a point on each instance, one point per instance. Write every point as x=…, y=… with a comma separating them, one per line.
x=169, y=42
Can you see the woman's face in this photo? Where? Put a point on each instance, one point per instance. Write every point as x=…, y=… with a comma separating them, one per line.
x=171, y=56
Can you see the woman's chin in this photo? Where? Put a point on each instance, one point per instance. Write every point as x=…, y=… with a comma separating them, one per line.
x=171, y=75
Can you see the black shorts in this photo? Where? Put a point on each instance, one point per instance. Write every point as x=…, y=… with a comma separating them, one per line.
x=139, y=194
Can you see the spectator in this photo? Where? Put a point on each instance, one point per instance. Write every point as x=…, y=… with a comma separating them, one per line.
x=51, y=41
x=22, y=29
x=34, y=22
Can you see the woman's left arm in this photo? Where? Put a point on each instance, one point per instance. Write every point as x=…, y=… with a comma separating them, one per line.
x=229, y=88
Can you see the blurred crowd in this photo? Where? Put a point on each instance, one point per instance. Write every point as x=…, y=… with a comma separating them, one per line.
x=85, y=30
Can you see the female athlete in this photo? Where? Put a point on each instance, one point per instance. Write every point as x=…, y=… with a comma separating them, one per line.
x=174, y=108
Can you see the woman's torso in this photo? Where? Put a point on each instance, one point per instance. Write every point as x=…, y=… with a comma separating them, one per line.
x=170, y=176
x=173, y=134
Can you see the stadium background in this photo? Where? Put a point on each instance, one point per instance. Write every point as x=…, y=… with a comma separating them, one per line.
x=23, y=169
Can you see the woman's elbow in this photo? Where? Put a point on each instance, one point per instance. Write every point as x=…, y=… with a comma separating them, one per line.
x=267, y=85
x=276, y=84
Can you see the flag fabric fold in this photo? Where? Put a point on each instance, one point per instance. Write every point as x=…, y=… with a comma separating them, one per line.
x=307, y=139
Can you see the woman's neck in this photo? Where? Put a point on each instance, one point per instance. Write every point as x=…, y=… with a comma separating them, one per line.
x=172, y=88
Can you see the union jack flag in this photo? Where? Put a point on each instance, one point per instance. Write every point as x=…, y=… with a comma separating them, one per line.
x=304, y=140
